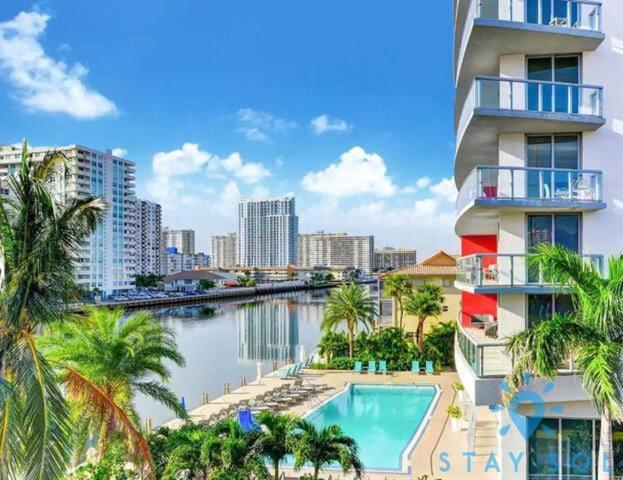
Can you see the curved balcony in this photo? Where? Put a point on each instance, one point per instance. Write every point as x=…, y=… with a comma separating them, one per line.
x=486, y=29
x=504, y=105
x=489, y=190
x=507, y=273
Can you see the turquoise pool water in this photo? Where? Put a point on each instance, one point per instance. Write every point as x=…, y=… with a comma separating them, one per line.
x=382, y=418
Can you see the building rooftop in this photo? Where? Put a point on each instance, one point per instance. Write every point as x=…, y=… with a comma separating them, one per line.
x=441, y=263
x=194, y=275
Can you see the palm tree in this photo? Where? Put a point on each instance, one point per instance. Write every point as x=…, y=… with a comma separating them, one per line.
x=349, y=303
x=177, y=453
x=425, y=302
x=103, y=361
x=592, y=334
x=398, y=286
x=40, y=233
x=277, y=429
x=232, y=454
x=323, y=447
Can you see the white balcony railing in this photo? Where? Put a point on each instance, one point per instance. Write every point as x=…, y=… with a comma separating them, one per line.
x=507, y=270
x=538, y=96
x=578, y=14
x=526, y=183
x=486, y=358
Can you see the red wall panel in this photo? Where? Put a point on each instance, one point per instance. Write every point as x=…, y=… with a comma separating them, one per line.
x=471, y=303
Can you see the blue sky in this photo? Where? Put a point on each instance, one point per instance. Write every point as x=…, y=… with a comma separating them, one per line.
x=347, y=105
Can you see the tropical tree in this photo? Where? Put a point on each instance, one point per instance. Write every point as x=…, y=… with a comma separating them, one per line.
x=332, y=345
x=232, y=454
x=323, y=447
x=351, y=305
x=398, y=286
x=592, y=334
x=177, y=453
x=425, y=302
x=103, y=360
x=276, y=431
x=40, y=234
x=206, y=284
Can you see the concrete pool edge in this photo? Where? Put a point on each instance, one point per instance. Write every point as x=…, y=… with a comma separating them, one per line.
x=405, y=454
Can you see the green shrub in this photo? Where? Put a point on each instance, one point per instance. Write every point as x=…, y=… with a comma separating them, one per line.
x=319, y=366
x=342, y=363
x=333, y=345
x=439, y=344
x=454, y=411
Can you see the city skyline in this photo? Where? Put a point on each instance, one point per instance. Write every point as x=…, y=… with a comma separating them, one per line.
x=350, y=165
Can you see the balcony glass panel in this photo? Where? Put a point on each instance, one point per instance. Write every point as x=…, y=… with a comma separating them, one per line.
x=507, y=270
x=580, y=14
x=526, y=183
x=538, y=96
x=487, y=358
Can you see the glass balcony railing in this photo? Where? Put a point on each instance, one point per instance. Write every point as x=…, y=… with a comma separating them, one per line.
x=579, y=14
x=488, y=358
x=525, y=183
x=507, y=270
x=538, y=96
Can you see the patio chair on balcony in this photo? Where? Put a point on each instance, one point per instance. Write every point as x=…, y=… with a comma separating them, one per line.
x=491, y=272
x=581, y=189
x=491, y=329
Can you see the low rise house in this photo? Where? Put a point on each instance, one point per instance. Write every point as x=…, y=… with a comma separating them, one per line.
x=440, y=269
x=190, y=281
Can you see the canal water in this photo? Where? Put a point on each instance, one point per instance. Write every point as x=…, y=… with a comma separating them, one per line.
x=223, y=341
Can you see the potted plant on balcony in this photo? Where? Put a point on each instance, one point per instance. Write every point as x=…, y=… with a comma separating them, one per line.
x=460, y=391
x=455, y=414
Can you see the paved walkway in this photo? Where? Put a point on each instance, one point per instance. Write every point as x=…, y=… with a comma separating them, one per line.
x=437, y=441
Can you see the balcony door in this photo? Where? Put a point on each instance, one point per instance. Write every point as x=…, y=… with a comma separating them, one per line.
x=546, y=97
x=547, y=152
x=560, y=13
x=558, y=229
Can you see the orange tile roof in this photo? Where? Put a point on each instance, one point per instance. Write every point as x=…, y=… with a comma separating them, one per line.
x=428, y=268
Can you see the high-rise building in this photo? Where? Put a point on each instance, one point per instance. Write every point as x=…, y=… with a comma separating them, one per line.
x=183, y=240
x=174, y=262
x=538, y=112
x=107, y=259
x=337, y=250
x=225, y=250
x=148, y=238
x=389, y=258
x=267, y=232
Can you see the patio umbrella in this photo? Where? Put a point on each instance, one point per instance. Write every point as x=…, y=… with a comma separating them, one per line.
x=258, y=380
x=302, y=354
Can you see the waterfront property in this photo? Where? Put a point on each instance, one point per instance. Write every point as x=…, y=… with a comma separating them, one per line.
x=439, y=269
x=537, y=114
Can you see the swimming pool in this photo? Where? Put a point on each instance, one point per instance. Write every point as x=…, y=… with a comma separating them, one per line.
x=385, y=420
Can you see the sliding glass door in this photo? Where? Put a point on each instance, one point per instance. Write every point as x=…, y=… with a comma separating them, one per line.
x=545, y=97
x=552, y=12
x=551, y=152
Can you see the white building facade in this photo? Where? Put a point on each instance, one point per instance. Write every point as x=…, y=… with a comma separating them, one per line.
x=148, y=238
x=107, y=260
x=267, y=232
x=225, y=250
x=394, y=258
x=183, y=240
x=336, y=250
x=538, y=117
x=175, y=262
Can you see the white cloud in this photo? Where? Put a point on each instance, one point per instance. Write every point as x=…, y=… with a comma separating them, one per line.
x=423, y=182
x=119, y=152
x=324, y=123
x=258, y=126
x=445, y=189
x=358, y=172
x=182, y=161
x=42, y=83
x=249, y=172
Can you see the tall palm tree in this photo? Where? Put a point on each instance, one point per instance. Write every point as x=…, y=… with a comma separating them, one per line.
x=398, y=286
x=177, y=453
x=277, y=429
x=232, y=454
x=40, y=234
x=349, y=304
x=324, y=447
x=592, y=334
x=103, y=360
x=425, y=302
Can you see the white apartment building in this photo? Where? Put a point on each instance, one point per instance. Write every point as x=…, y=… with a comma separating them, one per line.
x=337, y=250
x=539, y=133
x=183, y=240
x=225, y=250
x=267, y=232
x=148, y=238
x=394, y=258
x=107, y=260
x=174, y=262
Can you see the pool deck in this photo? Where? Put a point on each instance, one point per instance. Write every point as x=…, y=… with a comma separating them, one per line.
x=437, y=437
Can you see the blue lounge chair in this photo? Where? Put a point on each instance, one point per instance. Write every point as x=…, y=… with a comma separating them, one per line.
x=415, y=366
x=284, y=373
x=429, y=367
x=383, y=367
x=247, y=421
x=358, y=367
x=372, y=366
